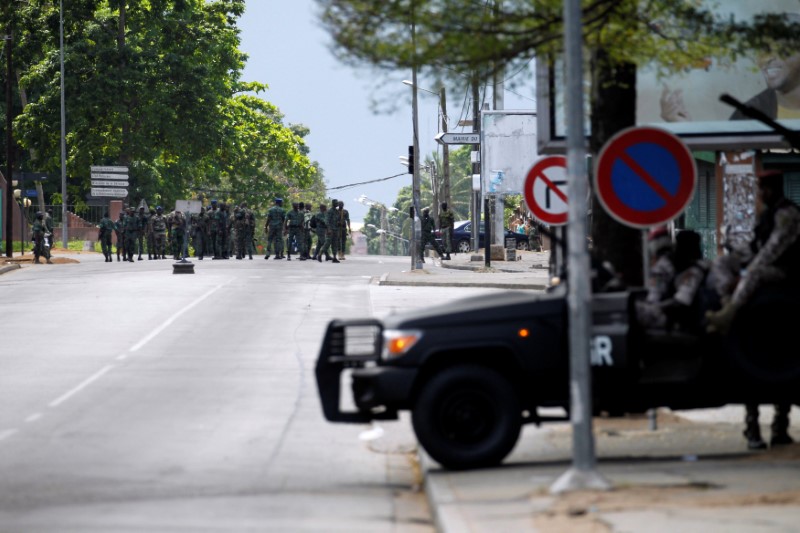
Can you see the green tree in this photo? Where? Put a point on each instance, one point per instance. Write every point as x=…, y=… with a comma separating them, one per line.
x=475, y=40
x=155, y=86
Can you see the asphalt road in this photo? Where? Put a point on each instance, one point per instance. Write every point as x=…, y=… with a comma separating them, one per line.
x=138, y=400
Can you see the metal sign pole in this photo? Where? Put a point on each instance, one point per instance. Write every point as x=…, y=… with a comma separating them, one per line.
x=582, y=475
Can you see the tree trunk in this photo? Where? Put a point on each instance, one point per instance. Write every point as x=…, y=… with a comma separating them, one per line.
x=613, y=106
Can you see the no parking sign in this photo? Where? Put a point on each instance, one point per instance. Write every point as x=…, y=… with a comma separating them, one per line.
x=645, y=176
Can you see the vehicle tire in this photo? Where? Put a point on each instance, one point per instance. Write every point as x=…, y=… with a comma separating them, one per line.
x=522, y=245
x=463, y=247
x=467, y=416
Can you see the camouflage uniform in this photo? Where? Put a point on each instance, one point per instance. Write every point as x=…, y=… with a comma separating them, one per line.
x=119, y=231
x=38, y=232
x=212, y=230
x=344, y=223
x=198, y=223
x=131, y=234
x=334, y=228
x=104, y=235
x=159, y=224
x=141, y=219
x=240, y=224
x=446, y=224
x=151, y=236
x=323, y=240
x=307, y=216
x=428, y=236
x=273, y=227
x=250, y=230
x=177, y=223
x=221, y=218
x=294, y=225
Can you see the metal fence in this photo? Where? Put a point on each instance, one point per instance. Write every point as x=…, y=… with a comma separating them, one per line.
x=90, y=213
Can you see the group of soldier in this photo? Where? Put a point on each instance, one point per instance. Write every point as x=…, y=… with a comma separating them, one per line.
x=221, y=234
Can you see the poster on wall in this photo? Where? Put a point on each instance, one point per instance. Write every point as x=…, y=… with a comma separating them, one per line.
x=508, y=149
x=687, y=103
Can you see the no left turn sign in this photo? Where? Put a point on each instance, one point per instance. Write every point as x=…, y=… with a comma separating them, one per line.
x=546, y=190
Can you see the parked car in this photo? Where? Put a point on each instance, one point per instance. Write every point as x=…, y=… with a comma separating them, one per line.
x=462, y=233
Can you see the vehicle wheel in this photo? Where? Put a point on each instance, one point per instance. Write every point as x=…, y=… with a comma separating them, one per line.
x=467, y=417
x=463, y=247
x=522, y=245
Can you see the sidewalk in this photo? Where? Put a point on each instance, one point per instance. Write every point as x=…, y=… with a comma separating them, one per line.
x=692, y=474
x=530, y=272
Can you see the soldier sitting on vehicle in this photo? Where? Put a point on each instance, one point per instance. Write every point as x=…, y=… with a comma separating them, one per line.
x=676, y=281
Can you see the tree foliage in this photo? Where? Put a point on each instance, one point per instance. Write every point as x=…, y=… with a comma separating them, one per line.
x=154, y=85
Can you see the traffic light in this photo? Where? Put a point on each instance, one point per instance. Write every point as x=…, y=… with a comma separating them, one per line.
x=410, y=159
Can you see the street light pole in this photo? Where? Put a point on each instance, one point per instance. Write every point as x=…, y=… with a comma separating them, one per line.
x=9, y=137
x=416, y=252
x=64, y=220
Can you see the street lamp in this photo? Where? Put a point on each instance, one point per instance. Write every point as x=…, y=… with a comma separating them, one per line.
x=23, y=203
x=372, y=203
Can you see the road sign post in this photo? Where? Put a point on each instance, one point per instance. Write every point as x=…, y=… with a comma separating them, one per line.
x=645, y=177
x=546, y=190
x=458, y=138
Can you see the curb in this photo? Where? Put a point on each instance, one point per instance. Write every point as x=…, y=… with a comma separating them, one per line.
x=9, y=268
x=473, y=284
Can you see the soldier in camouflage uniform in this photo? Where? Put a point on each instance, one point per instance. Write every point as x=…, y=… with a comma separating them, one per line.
x=159, y=225
x=131, y=234
x=177, y=234
x=428, y=236
x=212, y=230
x=344, y=223
x=446, y=224
x=104, y=235
x=222, y=230
x=307, y=217
x=776, y=258
x=294, y=230
x=198, y=233
x=141, y=219
x=151, y=235
x=240, y=227
x=273, y=227
x=38, y=234
x=323, y=233
x=334, y=228
x=119, y=231
x=249, y=230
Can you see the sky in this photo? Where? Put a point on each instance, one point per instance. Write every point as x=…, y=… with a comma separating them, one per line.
x=289, y=51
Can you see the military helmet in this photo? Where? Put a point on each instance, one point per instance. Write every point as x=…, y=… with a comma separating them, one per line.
x=159, y=209
x=278, y=200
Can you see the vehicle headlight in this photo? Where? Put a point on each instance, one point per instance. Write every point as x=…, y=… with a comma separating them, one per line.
x=397, y=342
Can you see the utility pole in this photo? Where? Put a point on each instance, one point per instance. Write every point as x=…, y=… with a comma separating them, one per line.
x=476, y=166
x=416, y=252
x=64, y=219
x=383, y=229
x=445, y=150
x=9, y=134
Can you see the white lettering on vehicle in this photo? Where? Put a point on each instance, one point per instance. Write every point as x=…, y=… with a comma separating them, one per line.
x=601, y=349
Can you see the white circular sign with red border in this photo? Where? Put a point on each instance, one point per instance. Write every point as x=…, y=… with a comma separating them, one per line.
x=546, y=190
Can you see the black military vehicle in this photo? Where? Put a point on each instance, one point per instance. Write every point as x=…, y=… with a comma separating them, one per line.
x=472, y=372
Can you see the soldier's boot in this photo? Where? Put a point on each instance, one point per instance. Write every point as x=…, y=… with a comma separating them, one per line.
x=140, y=257
x=780, y=426
x=446, y=257
x=149, y=257
x=752, y=431
x=36, y=260
x=288, y=257
x=327, y=257
x=303, y=257
x=319, y=258
x=49, y=262
x=250, y=255
x=335, y=260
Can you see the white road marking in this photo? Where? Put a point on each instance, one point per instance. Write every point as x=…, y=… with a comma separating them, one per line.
x=94, y=377
x=173, y=318
x=7, y=433
x=122, y=357
x=34, y=417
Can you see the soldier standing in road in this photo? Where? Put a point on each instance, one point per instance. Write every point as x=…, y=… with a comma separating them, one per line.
x=151, y=235
x=428, y=236
x=131, y=233
x=48, y=225
x=38, y=235
x=446, y=224
x=240, y=227
x=249, y=230
x=307, y=217
x=159, y=225
x=212, y=230
x=104, y=235
x=294, y=229
x=177, y=234
x=198, y=224
x=222, y=231
x=119, y=231
x=344, y=222
x=141, y=219
x=323, y=240
x=334, y=228
x=273, y=227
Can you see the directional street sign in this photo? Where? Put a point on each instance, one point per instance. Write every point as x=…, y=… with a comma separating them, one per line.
x=109, y=193
x=645, y=176
x=106, y=176
x=546, y=190
x=115, y=170
x=458, y=138
x=34, y=176
x=109, y=183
